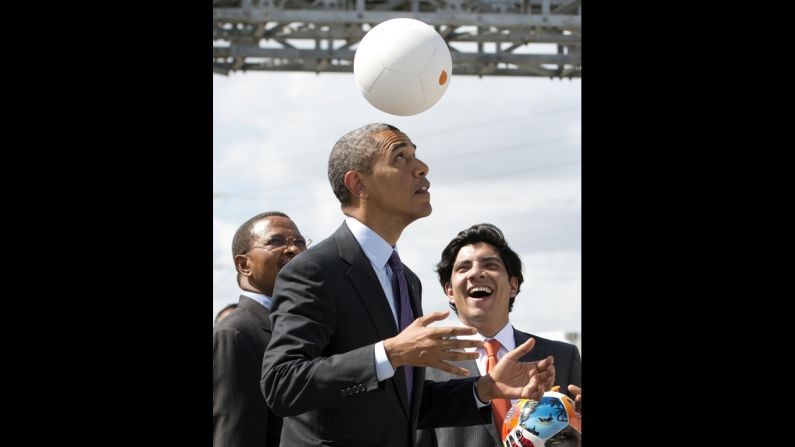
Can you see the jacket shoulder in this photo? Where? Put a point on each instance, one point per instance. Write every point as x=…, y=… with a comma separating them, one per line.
x=549, y=345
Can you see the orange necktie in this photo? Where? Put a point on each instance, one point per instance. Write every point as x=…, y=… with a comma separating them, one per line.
x=499, y=407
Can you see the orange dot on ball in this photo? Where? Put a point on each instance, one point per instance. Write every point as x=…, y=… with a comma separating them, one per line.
x=443, y=77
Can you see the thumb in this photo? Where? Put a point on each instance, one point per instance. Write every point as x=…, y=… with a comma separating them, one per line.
x=521, y=350
x=430, y=318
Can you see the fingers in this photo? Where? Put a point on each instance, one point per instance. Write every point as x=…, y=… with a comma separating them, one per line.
x=460, y=344
x=521, y=350
x=537, y=392
x=550, y=382
x=446, y=331
x=577, y=393
x=541, y=389
x=431, y=317
x=439, y=357
x=458, y=356
x=546, y=363
x=453, y=331
x=544, y=379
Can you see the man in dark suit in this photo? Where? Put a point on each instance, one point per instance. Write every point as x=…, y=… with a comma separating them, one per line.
x=260, y=248
x=346, y=362
x=481, y=276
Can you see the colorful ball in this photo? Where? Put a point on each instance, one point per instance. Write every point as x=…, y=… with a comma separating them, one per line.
x=551, y=421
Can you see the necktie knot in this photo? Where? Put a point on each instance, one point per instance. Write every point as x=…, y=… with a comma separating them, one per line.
x=492, y=346
x=394, y=262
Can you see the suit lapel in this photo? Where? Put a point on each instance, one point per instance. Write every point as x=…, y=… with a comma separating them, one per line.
x=372, y=296
x=363, y=279
x=369, y=291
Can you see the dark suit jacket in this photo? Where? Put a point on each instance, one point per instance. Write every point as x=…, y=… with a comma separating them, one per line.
x=328, y=312
x=240, y=414
x=567, y=371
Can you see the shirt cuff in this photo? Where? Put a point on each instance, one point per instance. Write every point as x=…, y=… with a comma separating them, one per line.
x=477, y=399
x=383, y=369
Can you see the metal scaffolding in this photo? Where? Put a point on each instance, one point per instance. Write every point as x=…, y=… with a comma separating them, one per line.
x=485, y=37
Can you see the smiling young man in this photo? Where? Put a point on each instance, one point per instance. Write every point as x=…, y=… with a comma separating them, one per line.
x=346, y=364
x=481, y=276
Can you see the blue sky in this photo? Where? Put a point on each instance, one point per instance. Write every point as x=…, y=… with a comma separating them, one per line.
x=504, y=150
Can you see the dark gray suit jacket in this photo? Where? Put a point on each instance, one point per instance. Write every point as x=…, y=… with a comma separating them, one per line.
x=240, y=415
x=567, y=371
x=328, y=312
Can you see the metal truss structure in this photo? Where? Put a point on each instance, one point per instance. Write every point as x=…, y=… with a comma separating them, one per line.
x=485, y=37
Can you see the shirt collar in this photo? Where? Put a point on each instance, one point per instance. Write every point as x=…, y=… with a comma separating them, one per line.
x=504, y=336
x=374, y=246
x=265, y=300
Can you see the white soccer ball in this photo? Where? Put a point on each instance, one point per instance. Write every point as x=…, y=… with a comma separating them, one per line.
x=402, y=66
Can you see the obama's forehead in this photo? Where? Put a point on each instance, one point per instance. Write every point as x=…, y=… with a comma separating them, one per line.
x=389, y=140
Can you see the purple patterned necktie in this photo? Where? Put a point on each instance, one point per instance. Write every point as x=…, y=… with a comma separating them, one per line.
x=400, y=289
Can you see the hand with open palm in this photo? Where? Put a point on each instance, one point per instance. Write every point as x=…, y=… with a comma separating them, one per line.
x=512, y=379
x=577, y=392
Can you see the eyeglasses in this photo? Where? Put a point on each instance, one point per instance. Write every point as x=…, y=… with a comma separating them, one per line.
x=278, y=242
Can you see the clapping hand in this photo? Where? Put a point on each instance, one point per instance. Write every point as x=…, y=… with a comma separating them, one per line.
x=512, y=379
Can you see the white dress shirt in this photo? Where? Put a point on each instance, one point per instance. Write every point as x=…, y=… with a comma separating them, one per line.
x=378, y=252
x=504, y=336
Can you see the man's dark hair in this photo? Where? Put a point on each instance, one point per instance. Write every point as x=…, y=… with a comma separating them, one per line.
x=355, y=151
x=241, y=243
x=491, y=235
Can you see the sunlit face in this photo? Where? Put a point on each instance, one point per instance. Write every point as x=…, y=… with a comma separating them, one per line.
x=261, y=264
x=480, y=288
x=397, y=186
